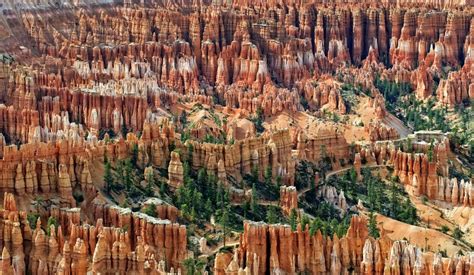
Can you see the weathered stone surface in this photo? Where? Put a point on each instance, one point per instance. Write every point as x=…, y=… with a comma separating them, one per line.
x=288, y=199
x=175, y=171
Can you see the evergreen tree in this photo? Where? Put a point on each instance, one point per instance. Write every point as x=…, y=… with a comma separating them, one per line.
x=246, y=207
x=268, y=176
x=208, y=208
x=150, y=179
x=353, y=175
x=124, y=130
x=201, y=178
x=304, y=221
x=219, y=197
x=119, y=174
x=272, y=215
x=183, y=119
x=293, y=219
x=393, y=199
x=224, y=222
x=194, y=266
x=258, y=120
x=324, y=163
x=253, y=205
x=315, y=225
x=162, y=189
x=255, y=173
x=409, y=145
x=371, y=196
x=128, y=174
x=51, y=221
x=278, y=181
x=150, y=210
x=108, y=178
x=134, y=157
x=407, y=212
x=430, y=152
x=373, y=230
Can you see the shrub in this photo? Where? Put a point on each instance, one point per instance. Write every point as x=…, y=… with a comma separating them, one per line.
x=150, y=210
x=457, y=233
x=444, y=229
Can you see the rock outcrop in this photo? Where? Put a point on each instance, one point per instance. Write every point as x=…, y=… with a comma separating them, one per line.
x=175, y=171
x=276, y=248
x=288, y=199
x=119, y=241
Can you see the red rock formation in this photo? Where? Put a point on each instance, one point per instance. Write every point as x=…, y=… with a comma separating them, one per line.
x=146, y=240
x=175, y=171
x=288, y=199
x=380, y=131
x=164, y=211
x=323, y=95
x=84, y=70
x=267, y=248
x=327, y=142
x=270, y=150
x=296, y=251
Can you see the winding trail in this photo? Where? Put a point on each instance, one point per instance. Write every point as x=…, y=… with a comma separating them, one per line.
x=276, y=203
x=219, y=247
x=340, y=171
x=335, y=172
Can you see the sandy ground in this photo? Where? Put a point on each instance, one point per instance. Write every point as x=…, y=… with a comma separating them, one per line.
x=351, y=125
x=425, y=238
x=431, y=215
x=464, y=217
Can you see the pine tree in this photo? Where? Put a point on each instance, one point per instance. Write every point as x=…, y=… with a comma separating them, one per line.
x=128, y=176
x=373, y=230
x=51, y=221
x=208, y=207
x=293, y=219
x=393, y=199
x=108, y=178
x=224, y=222
x=324, y=163
x=119, y=174
x=134, y=157
x=193, y=266
x=201, y=178
x=430, y=152
x=253, y=203
x=315, y=225
x=124, y=130
x=162, y=189
x=371, y=196
x=304, y=221
x=255, y=173
x=150, y=179
x=272, y=215
x=150, y=210
x=268, y=176
x=353, y=176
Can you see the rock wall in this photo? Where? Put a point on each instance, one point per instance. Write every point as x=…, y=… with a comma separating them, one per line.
x=457, y=193
x=380, y=131
x=326, y=142
x=269, y=150
x=120, y=241
x=266, y=59
x=288, y=199
x=275, y=248
x=420, y=171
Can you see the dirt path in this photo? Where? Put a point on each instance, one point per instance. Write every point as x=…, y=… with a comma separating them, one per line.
x=219, y=247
